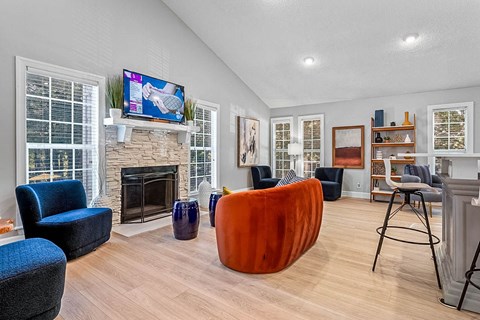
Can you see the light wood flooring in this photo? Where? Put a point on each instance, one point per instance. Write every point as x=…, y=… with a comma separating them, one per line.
x=154, y=276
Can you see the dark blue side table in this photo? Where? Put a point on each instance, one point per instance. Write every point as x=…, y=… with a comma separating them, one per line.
x=185, y=219
x=212, y=204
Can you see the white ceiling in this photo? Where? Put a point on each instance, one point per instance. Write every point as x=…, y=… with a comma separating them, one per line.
x=357, y=45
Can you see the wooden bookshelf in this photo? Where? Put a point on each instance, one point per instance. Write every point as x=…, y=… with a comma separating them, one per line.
x=393, y=148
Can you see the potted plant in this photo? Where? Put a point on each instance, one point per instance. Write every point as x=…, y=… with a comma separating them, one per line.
x=387, y=139
x=394, y=171
x=189, y=111
x=114, y=95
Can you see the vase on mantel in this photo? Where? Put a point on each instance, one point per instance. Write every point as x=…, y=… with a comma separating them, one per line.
x=115, y=113
x=190, y=123
x=406, y=122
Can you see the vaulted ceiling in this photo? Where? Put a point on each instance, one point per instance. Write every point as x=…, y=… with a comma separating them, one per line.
x=358, y=46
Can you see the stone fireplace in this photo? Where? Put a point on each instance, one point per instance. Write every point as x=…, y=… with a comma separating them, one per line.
x=146, y=148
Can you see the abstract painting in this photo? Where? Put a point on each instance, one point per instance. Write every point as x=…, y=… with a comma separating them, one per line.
x=248, y=131
x=348, y=147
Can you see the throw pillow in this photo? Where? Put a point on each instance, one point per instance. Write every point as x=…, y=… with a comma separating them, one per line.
x=226, y=191
x=422, y=171
x=297, y=179
x=286, y=180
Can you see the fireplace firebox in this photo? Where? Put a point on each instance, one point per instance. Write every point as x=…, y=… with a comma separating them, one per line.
x=148, y=193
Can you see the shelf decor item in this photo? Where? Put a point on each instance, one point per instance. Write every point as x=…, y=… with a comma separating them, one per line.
x=378, y=138
x=114, y=95
x=189, y=111
x=407, y=139
x=379, y=117
x=406, y=122
x=379, y=155
x=348, y=147
x=392, y=124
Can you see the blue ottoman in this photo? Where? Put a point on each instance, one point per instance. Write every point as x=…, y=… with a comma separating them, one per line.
x=32, y=279
x=185, y=219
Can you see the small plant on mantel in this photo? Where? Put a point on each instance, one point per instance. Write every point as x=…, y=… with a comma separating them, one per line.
x=189, y=110
x=114, y=95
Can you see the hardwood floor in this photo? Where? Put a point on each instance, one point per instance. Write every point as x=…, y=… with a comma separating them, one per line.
x=154, y=276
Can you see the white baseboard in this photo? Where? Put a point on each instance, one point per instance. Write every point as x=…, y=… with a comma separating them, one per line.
x=356, y=194
x=11, y=238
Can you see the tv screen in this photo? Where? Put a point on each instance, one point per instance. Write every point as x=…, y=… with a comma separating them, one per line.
x=145, y=96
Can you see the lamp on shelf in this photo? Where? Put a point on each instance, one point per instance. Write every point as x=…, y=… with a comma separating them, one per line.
x=294, y=149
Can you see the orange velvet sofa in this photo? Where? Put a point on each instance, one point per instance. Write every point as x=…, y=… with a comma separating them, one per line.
x=265, y=231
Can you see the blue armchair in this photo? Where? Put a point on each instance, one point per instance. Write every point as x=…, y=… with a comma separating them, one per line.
x=262, y=177
x=32, y=279
x=58, y=211
x=331, y=180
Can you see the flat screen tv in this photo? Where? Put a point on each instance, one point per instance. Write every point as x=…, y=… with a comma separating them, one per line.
x=145, y=96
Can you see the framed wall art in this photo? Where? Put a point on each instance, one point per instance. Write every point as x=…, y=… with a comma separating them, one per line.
x=248, y=131
x=348, y=147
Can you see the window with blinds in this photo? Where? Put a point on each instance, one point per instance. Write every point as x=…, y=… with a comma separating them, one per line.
x=311, y=131
x=61, y=130
x=281, y=138
x=203, y=151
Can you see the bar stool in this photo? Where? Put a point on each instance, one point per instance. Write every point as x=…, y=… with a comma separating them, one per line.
x=407, y=189
x=468, y=276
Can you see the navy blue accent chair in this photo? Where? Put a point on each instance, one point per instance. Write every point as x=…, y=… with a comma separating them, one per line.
x=331, y=180
x=262, y=177
x=58, y=211
x=32, y=280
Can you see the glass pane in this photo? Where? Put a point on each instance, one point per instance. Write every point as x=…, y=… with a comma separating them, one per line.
x=286, y=126
x=37, y=108
x=193, y=184
x=63, y=175
x=79, y=175
x=77, y=134
x=39, y=159
x=278, y=135
x=61, y=89
x=192, y=156
x=441, y=130
x=440, y=143
x=61, y=133
x=457, y=129
x=78, y=92
x=200, y=156
x=286, y=135
x=207, y=140
x=440, y=116
x=37, y=132
x=36, y=177
x=285, y=145
x=62, y=159
x=278, y=145
x=193, y=170
x=199, y=140
x=208, y=169
x=457, y=143
x=457, y=116
x=316, y=144
x=278, y=126
x=278, y=174
x=37, y=85
x=79, y=159
x=208, y=127
x=200, y=169
x=77, y=113
x=307, y=145
x=61, y=111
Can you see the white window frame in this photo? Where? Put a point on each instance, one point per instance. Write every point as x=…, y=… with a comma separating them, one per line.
x=215, y=146
x=468, y=130
x=273, y=122
x=320, y=117
x=22, y=65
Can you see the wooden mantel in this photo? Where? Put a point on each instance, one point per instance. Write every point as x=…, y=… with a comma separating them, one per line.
x=125, y=127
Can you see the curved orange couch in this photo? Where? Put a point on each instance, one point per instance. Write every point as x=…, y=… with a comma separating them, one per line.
x=264, y=231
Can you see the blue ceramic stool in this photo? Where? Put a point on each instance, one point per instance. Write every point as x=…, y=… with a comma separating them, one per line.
x=185, y=219
x=212, y=204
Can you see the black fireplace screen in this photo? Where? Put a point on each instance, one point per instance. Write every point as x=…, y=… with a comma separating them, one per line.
x=148, y=193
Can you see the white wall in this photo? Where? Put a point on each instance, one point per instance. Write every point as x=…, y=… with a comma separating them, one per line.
x=103, y=37
x=359, y=112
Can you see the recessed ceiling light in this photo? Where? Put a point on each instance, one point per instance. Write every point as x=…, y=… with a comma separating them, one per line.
x=308, y=61
x=411, y=38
